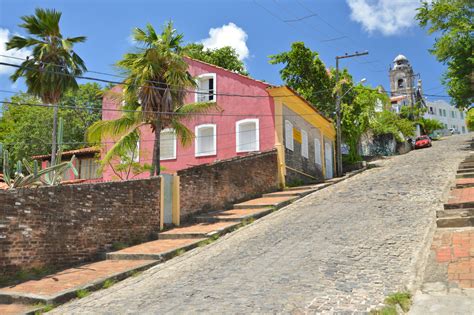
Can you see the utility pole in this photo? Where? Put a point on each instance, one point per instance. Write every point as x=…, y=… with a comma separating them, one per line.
x=338, y=111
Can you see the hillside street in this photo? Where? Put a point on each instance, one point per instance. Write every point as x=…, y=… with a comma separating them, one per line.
x=343, y=248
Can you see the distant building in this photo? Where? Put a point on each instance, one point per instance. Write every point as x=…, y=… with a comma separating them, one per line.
x=403, y=91
x=450, y=116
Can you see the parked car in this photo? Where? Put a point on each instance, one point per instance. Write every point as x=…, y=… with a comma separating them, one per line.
x=422, y=142
x=454, y=131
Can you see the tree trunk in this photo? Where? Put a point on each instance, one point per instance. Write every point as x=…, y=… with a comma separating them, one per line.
x=155, y=169
x=54, y=135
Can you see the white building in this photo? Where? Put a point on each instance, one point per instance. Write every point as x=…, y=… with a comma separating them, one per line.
x=447, y=114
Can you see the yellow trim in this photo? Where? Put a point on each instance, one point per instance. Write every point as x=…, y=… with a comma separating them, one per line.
x=176, y=210
x=162, y=202
x=298, y=105
x=279, y=144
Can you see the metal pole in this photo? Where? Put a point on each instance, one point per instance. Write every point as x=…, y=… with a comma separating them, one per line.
x=338, y=112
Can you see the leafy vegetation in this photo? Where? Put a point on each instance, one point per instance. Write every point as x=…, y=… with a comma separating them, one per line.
x=470, y=120
x=225, y=57
x=453, y=23
x=26, y=130
x=387, y=122
x=108, y=283
x=430, y=125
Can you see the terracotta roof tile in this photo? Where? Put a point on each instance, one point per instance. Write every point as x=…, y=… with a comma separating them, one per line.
x=83, y=151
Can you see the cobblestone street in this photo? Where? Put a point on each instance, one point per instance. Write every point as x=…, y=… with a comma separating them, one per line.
x=341, y=249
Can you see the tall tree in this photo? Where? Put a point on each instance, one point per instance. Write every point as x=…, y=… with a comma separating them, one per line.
x=453, y=20
x=53, y=65
x=25, y=130
x=225, y=57
x=153, y=92
x=305, y=72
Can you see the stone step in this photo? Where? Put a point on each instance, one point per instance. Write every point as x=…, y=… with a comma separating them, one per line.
x=15, y=309
x=465, y=175
x=301, y=187
x=454, y=222
x=233, y=215
x=265, y=202
x=455, y=213
x=291, y=193
x=466, y=165
x=63, y=286
x=464, y=182
x=465, y=170
x=159, y=250
x=198, y=230
x=460, y=198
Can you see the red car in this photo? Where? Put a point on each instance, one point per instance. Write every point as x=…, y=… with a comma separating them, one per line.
x=422, y=142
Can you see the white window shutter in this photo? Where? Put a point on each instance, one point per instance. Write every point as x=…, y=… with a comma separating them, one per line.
x=289, y=135
x=304, y=144
x=167, y=144
x=205, y=140
x=247, y=135
x=317, y=152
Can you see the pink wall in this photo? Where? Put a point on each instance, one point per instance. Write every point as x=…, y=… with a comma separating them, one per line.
x=227, y=82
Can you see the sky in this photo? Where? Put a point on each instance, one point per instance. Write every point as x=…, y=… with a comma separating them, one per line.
x=255, y=28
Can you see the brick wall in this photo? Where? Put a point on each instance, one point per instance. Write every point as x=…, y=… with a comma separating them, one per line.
x=65, y=225
x=217, y=186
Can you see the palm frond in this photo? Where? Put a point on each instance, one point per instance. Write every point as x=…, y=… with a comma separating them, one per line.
x=113, y=128
x=126, y=143
x=185, y=135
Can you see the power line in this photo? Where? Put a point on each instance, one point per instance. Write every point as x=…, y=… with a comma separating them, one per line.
x=156, y=87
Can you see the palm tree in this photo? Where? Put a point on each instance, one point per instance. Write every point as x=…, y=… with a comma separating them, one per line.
x=154, y=91
x=51, y=69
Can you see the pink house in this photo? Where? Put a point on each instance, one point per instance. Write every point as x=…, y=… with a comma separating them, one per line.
x=246, y=122
x=241, y=125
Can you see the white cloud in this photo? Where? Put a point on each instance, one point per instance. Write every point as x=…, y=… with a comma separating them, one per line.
x=228, y=35
x=388, y=17
x=22, y=53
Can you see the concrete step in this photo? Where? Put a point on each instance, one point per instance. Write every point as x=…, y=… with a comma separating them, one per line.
x=265, y=202
x=233, y=215
x=159, y=250
x=455, y=213
x=15, y=309
x=198, y=230
x=302, y=187
x=63, y=286
x=460, y=199
x=453, y=222
x=291, y=193
x=466, y=165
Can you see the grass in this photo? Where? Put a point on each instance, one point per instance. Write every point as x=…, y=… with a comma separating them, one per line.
x=82, y=293
x=25, y=275
x=44, y=308
x=402, y=299
x=119, y=246
x=108, y=283
x=178, y=252
x=135, y=273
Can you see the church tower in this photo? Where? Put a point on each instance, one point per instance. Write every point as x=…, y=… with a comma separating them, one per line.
x=402, y=79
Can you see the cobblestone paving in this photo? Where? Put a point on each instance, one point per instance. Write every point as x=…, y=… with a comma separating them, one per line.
x=340, y=250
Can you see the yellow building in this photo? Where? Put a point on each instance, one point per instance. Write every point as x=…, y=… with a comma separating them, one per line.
x=304, y=138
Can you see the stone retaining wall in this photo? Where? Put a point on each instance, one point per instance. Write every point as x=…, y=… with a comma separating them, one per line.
x=219, y=185
x=66, y=225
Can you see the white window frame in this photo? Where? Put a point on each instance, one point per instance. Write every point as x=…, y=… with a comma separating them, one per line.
x=196, y=132
x=214, y=85
x=168, y=130
x=237, y=134
x=289, y=135
x=304, y=144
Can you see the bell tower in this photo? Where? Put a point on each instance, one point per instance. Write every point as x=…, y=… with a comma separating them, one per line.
x=402, y=78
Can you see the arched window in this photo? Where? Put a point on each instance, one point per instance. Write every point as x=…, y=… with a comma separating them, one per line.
x=401, y=83
x=247, y=135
